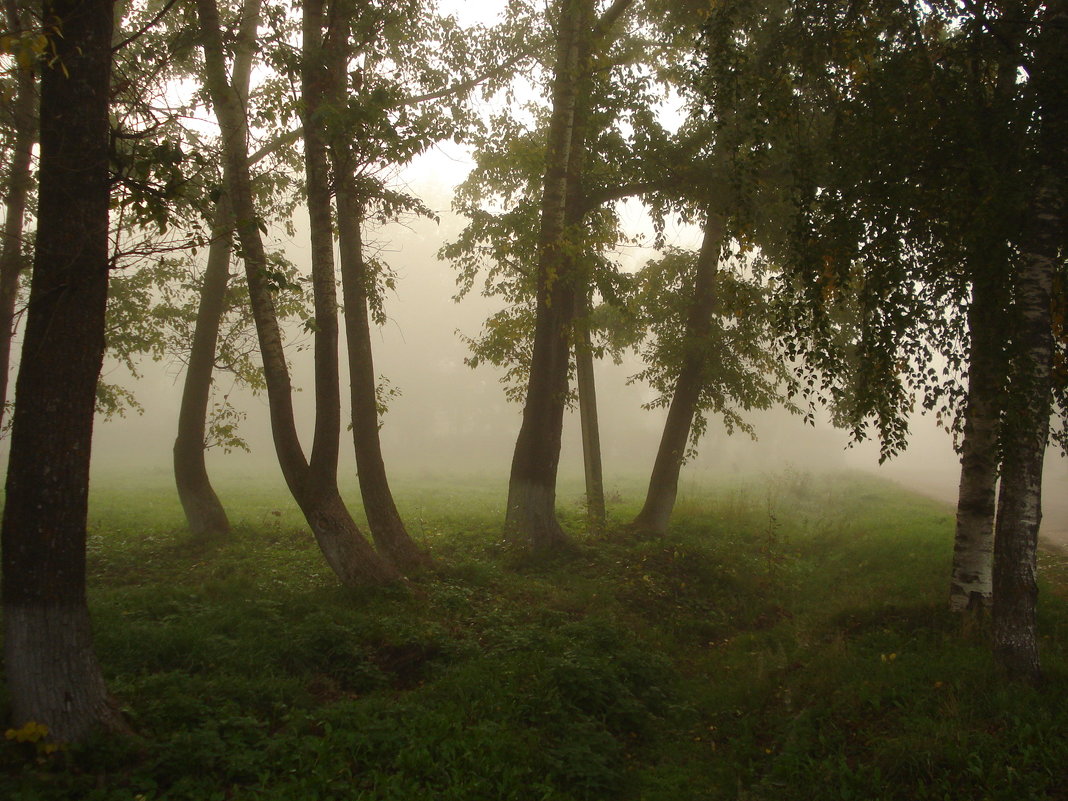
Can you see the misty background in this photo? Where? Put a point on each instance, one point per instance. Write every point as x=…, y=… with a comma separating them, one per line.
x=452, y=420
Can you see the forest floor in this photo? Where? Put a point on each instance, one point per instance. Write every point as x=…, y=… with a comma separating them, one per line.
x=787, y=640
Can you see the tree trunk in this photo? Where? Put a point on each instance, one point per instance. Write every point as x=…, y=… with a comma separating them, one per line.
x=348, y=553
x=1029, y=400
x=531, y=515
x=388, y=530
x=591, y=435
x=971, y=582
x=664, y=481
x=315, y=80
x=52, y=673
x=1026, y=430
x=24, y=118
x=204, y=512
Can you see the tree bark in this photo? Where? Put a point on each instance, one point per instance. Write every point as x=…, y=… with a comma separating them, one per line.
x=52, y=673
x=387, y=528
x=1029, y=399
x=971, y=581
x=591, y=432
x=204, y=512
x=24, y=118
x=664, y=481
x=346, y=551
x=531, y=515
x=315, y=81
x=1026, y=430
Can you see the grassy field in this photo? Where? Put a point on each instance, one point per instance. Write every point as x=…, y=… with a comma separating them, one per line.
x=787, y=641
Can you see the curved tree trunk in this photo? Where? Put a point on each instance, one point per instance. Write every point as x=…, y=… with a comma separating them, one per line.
x=971, y=582
x=387, y=528
x=664, y=481
x=24, y=118
x=348, y=553
x=52, y=673
x=204, y=512
x=531, y=515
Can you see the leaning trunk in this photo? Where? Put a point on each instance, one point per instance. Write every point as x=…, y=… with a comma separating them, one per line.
x=349, y=555
x=23, y=114
x=531, y=515
x=204, y=513
x=971, y=582
x=664, y=481
x=52, y=673
x=387, y=528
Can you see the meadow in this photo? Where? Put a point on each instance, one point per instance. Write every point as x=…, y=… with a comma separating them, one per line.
x=788, y=640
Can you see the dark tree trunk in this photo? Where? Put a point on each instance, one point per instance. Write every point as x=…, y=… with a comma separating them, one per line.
x=971, y=587
x=387, y=528
x=315, y=81
x=52, y=673
x=204, y=512
x=346, y=551
x=664, y=481
x=591, y=433
x=971, y=580
x=531, y=515
x=24, y=118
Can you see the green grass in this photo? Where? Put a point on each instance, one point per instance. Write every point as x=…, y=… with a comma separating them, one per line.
x=787, y=640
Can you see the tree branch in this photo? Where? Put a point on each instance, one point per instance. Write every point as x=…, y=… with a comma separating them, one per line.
x=465, y=85
x=610, y=17
x=144, y=28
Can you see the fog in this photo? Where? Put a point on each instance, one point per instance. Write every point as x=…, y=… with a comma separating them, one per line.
x=451, y=420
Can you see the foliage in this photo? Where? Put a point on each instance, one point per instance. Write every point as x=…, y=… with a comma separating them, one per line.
x=741, y=369
x=881, y=155
x=709, y=664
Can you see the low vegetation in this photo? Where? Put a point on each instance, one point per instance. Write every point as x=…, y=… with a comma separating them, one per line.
x=787, y=640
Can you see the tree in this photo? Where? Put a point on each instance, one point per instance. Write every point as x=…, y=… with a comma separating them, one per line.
x=883, y=227
x=708, y=346
x=314, y=484
x=1026, y=426
x=52, y=673
x=203, y=510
